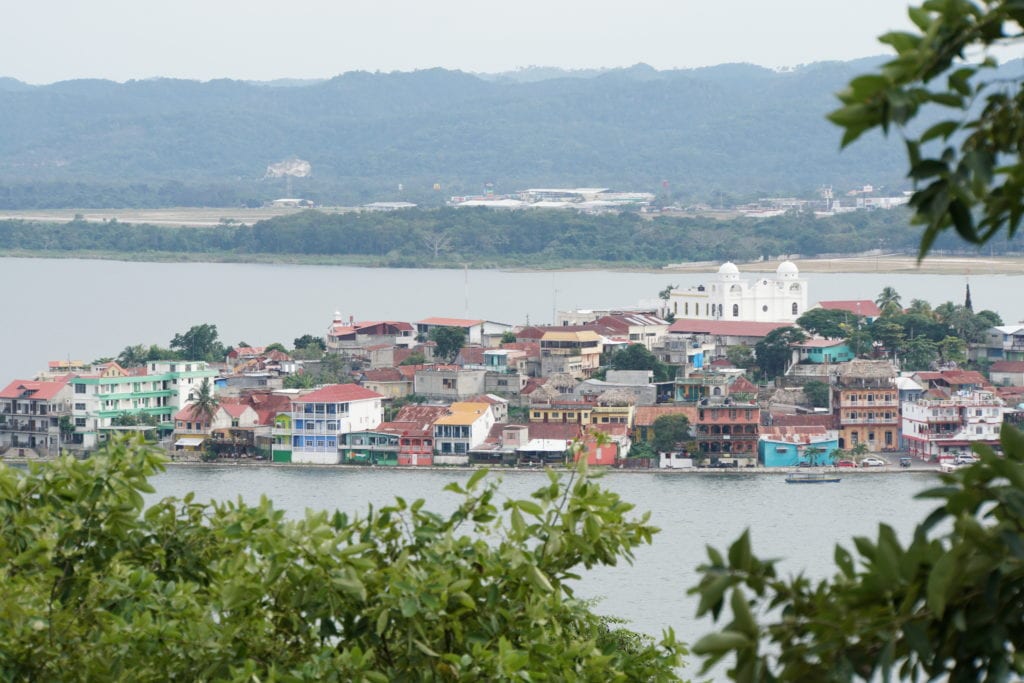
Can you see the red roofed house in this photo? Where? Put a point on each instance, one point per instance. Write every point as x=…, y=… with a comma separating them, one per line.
x=1007, y=373
x=320, y=417
x=866, y=308
x=30, y=413
x=477, y=331
x=352, y=336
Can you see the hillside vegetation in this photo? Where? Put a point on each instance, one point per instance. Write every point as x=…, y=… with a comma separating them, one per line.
x=481, y=237
x=733, y=131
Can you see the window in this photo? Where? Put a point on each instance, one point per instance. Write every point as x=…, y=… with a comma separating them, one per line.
x=447, y=383
x=735, y=310
x=536, y=413
x=79, y=406
x=79, y=421
x=795, y=309
x=79, y=388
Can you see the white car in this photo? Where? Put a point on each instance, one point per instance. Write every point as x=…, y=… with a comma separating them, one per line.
x=965, y=459
x=873, y=462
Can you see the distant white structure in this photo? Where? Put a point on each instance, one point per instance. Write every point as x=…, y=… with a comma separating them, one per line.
x=729, y=297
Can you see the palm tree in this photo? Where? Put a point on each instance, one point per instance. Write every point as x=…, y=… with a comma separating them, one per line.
x=888, y=296
x=133, y=356
x=204, y=402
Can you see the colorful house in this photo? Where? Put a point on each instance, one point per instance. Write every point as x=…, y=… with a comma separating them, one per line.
x=792, y=446
x=320, y=417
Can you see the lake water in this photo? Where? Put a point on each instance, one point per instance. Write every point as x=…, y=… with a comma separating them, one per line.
x=86, y=309
x=798, y=524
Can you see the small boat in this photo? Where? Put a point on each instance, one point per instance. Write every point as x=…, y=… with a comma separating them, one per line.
x=812, y=478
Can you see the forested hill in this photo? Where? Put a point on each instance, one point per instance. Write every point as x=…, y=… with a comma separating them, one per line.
x=727, y=131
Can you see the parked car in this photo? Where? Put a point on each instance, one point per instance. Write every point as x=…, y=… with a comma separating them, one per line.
x=846, y=463
x=873, y=462
x=965, y=459
x=905, y=462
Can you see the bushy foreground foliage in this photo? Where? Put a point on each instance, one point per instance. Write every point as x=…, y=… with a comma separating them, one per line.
x=946, y=606
x=98, y=587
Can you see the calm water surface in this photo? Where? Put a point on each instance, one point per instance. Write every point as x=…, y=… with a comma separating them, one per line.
x=86, y=309
x=798, y=524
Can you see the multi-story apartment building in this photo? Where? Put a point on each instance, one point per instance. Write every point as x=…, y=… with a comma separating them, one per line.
x=320, y=417
x=866, y=403
x=466, y=427
x=30, y=413
x=938, y=424
x=727, y=429
x=449, y=382
x=158, y=389
x=575, y=353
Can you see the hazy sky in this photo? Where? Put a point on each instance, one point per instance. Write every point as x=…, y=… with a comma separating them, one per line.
x=43, y=41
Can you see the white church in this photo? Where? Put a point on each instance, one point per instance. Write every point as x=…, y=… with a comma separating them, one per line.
x=779, y=299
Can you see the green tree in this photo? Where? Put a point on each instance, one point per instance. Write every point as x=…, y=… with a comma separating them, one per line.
x=637, y=357
x=307, y=340
x=449, y=341
x=817, y=393
x=953, y=350
x=99, y=587
x=966, y=162
x=889, y=298
x=919, y=353
x=133, y=356
x=741, y=356
x=889, y=333
x=830, y=323
x=942, y=607
x=774, y=352
x=669, y=432
x=414, y=358
x=275, y=346
x=199, y=343
x=204, y=402
x=508, y=337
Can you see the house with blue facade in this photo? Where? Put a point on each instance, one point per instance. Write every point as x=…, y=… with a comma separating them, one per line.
x=793, y=446
x=821, y=351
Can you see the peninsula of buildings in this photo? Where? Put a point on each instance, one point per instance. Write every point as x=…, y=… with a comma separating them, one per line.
x=517, y=395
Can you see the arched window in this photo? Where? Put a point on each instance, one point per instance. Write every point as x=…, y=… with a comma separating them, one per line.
x=735, y=310
x=794, y=308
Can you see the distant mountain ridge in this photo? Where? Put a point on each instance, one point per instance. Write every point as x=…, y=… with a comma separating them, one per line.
x=735, y=130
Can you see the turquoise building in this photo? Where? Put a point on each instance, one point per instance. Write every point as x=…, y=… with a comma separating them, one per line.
x=822, y=351
x=793, y=446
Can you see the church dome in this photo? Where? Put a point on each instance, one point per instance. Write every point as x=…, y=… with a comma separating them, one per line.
x=787, y=270
x=729, y=271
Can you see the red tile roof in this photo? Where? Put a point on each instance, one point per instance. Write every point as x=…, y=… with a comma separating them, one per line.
x=449, y=322
x=646, y=415
x=235, y=409
x=1007, y=366
x=383, y=375
x=728, y=328
x=471, y=355
x=338, y=393
x=27, y=389
x=421, y=415
x=531, y=349
x=742, y=385
x=865, y=307
x=818, y=343
x=826, y=420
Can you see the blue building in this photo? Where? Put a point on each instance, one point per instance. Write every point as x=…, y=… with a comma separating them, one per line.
x=792, y=446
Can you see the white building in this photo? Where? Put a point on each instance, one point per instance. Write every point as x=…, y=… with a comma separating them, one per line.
x=782, y=298
x=321, y=416
x=936, y=426
x=465, y=428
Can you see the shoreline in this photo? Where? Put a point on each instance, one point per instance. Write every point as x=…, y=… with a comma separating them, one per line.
x=885, y=263
x=921, y=468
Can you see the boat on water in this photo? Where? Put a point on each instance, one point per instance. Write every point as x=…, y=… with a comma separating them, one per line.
x=812, y=478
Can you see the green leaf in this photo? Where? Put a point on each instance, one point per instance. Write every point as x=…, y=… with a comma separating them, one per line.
x=537, y=578
x=940, y=579
x=739, y=552
x=475, y=479
x=942, y=129
x=720, y=642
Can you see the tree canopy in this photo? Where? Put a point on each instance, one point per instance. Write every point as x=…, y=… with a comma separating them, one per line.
x=99, y=587
x=200, y=342
x=966, y=160
x=449, y=341
x=670, y=431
